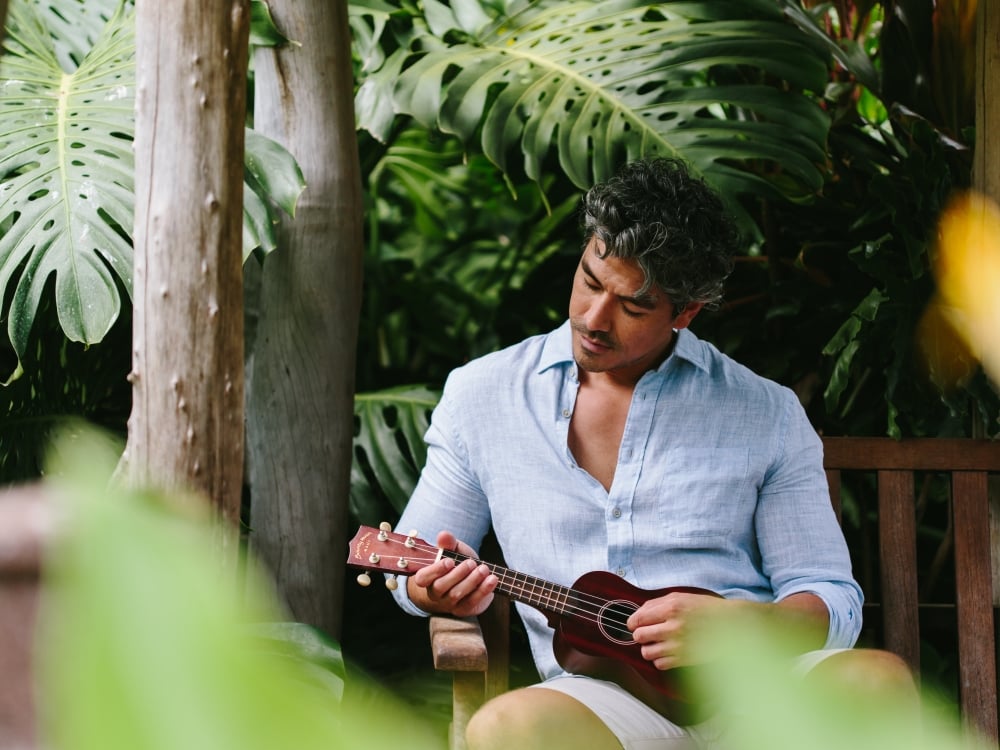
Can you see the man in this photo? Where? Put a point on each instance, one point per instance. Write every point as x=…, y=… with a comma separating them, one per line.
x=621, y=442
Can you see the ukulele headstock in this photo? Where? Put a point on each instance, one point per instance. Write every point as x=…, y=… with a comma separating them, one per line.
x=384, y=551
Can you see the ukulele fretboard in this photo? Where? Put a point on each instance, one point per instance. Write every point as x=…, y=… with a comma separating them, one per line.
x=537, y=592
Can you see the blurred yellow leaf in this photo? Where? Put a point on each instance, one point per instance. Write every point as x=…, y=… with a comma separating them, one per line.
x=948, y=357
x=967, y=268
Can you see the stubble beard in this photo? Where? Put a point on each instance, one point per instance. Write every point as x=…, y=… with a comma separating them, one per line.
x=588, y=361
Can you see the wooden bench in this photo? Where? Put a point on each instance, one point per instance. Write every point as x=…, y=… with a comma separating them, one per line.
x=898, y=473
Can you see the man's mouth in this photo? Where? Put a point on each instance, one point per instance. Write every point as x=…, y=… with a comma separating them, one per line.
x=593, y=344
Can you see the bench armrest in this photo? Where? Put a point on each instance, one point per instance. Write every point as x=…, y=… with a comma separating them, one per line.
x=457, y=645
x=476, y=650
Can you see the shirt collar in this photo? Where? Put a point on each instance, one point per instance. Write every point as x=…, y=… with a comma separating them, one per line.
x=690, y=349
x=558, y=350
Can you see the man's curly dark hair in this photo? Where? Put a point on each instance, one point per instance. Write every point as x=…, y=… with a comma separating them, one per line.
x=671, y=223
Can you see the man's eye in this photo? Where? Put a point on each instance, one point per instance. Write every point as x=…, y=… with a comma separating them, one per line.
x=591, y=285
x=632, y=313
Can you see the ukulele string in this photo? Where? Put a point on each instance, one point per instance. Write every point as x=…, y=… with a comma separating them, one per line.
x=589, y=612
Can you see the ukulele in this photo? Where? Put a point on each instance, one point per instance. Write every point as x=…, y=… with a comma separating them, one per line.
x=588, y=618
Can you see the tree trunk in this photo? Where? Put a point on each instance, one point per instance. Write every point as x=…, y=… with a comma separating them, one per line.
x=301, y=375
x=186, y=426
x=986, y=164
x=986, y=179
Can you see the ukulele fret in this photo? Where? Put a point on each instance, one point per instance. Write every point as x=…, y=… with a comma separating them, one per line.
x=532, y=590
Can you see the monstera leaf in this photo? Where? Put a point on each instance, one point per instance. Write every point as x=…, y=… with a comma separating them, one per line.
x=592, y=84
x=67, y=169
x=389, y=450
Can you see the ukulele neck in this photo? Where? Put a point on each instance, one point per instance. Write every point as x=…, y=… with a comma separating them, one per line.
x=530, y=590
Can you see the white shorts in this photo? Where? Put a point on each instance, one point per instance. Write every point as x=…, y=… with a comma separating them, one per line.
x=639, y=727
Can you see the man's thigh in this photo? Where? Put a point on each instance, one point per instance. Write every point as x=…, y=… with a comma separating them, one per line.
x=538, y=719
x=633, y=724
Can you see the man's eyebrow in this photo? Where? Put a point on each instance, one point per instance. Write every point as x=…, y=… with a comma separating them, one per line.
x=647, y=300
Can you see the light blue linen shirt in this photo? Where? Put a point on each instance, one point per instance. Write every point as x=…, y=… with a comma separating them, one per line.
x=719, y=483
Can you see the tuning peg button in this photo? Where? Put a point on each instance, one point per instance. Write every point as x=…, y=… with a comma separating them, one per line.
x=364, y=579
x=391, y=583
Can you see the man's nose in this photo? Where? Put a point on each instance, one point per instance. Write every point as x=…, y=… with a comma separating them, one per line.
x=598, y=316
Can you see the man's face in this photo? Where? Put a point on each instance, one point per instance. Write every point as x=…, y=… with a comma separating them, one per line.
x=614, y=329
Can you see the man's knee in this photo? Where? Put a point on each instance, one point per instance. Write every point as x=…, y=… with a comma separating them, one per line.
x=871, y=670
x=537, y=718
x=491, y=726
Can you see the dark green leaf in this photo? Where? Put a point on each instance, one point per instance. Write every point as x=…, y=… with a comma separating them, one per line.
x=274, y=170
x=840, y=377
x=263, y=31
x=389, y=449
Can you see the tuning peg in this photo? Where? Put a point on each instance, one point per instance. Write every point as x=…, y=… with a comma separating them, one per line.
x=364, y=579
x=391, y=583
x=385, y=526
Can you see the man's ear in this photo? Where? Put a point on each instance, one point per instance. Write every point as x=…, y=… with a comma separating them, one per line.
x=684, y=318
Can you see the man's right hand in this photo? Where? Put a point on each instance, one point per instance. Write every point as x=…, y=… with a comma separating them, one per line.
x=461, y=589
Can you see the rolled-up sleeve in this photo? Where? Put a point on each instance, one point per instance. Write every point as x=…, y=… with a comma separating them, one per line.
x=802, y=546
x=448, y=496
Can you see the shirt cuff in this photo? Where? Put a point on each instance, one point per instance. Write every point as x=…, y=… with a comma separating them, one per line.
x=843, y=602
x=402, y=597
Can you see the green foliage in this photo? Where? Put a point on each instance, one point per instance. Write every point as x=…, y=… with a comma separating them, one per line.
x=580, y=87
x=833, y=305
x=389, y=450
x=67, y=169
x=141, y=646
x=448, y=247
x=876, y=351
x=65, y=200
x=63, y=381
x=263, y=31
x=751, y=676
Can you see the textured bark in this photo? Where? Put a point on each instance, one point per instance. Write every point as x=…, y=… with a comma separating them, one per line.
x=986, y=179
x=301, y=375
x=186, y=427
x=986, y=165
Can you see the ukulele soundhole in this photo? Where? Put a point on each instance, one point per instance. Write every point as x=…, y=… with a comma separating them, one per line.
x=611, y=621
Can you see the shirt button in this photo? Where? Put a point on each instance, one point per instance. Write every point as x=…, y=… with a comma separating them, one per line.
x=566, y=413
x=617, y=512
x=621, y=572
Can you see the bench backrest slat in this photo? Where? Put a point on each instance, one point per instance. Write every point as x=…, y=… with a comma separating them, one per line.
x=974, y=600
x=969, y=464
x=897, y=531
